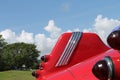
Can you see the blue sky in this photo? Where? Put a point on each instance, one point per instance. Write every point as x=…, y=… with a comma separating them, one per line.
x=33, y=15
x=42, y=21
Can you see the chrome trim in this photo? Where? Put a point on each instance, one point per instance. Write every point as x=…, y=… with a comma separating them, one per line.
x=70, y=47
x=110, y=67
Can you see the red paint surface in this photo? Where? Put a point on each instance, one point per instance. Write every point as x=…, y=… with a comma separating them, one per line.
x=89, y=50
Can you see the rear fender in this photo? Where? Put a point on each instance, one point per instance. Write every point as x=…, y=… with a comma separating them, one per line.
x=70, y=49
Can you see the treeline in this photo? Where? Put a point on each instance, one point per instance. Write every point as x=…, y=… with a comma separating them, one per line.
x=17, y=56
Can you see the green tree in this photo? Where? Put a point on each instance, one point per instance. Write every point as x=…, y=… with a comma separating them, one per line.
x=18, y=54
x=2, y=42
x=2, y=45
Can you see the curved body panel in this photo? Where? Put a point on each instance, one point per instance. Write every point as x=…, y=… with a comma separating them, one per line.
x=74, y=56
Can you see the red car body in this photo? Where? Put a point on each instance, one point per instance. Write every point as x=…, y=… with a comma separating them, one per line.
x=74, y=57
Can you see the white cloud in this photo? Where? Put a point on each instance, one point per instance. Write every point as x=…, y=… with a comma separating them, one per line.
x=102, y=26
x=43, y=43
x=25, y=37
x=9, y=35
x=74, y=30
x=52, y=29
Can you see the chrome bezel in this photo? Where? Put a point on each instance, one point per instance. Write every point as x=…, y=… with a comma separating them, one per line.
x=110, y=67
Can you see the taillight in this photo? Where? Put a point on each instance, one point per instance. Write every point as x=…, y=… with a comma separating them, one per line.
x=103, y=69
x=43, y=58
x=34, y=73
x=114, y=39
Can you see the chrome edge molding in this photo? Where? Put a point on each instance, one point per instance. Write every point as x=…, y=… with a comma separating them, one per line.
x=70, y=47
x=110, y=67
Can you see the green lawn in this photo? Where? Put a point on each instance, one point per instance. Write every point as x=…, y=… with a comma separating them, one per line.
x=16, y=75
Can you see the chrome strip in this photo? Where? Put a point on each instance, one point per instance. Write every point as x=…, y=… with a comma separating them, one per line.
x=70, y=47
x=110, y=67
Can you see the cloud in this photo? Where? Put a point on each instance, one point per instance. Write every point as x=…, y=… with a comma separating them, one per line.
x=52, y=29
x=9, y=35
x=102, y=26
x=25, y=37
x=65, y=7
x=44, y=43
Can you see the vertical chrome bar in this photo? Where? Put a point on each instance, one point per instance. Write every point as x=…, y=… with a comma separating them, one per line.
x=70, y=47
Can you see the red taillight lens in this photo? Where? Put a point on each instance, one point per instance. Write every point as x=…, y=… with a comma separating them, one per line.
x=103, y=69
x=114, y=39
x=100, y=70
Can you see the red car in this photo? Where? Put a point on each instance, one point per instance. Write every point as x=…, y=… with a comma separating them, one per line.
x=82, y=56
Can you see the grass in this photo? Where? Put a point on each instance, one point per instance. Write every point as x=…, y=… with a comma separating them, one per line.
x=16, y=75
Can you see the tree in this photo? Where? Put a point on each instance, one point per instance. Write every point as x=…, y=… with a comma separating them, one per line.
x=18, y=54
x=2, y=45
x=2, y=42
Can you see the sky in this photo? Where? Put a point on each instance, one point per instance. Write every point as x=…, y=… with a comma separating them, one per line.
x=42, y=21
